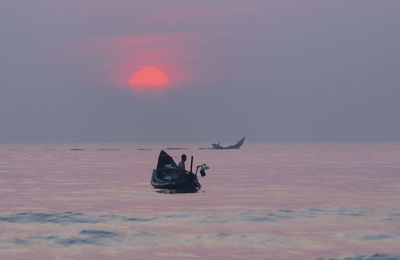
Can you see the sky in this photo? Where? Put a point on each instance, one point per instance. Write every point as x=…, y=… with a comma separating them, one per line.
x=271, y=70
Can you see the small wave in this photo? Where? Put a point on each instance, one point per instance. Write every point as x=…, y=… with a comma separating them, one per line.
x=223, y=235
x=54, y=217
x=85, y=237
x=257, y=219
x=317, y=210
x=74, y=241
x=355, y=212
x=370, y=257
x=144, y=234
x=265, y=216
x=286, y=211
x=176, y=216
x=68, y=218
x=242, y=216
x=98, y=233
x=378, y=237
x=77, y=149
x=216, y=219
x=139, y=219
x=19, y=241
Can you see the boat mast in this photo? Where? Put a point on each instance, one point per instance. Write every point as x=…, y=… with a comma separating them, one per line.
x=191, y=164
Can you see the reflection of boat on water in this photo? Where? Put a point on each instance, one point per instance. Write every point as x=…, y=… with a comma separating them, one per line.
x=234, y=146
x=167, y=175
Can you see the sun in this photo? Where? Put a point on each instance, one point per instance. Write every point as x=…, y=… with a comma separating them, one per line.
x=149, y=78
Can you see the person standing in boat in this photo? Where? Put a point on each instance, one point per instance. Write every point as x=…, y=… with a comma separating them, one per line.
x=181, y=164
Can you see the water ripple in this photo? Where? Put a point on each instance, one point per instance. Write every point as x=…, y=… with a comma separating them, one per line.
x=86, y=236
x=140, y=219
x=370, y=257
x=377, y=237
x=53, y=217
x=68, y=217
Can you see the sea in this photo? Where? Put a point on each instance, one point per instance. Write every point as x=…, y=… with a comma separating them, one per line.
x=277, y=200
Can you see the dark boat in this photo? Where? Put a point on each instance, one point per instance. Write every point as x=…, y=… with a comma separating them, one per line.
x=167, y=175
x=234, y=146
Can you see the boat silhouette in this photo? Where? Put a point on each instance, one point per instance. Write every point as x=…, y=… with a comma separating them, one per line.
x=168, y=176
x=234, y=146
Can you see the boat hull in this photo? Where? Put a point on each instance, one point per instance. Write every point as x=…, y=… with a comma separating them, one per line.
x=235, y=146
x=189, y=183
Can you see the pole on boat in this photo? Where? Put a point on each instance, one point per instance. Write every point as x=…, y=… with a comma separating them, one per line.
x=191, y=164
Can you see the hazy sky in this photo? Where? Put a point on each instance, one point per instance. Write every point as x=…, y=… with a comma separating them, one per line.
x=271, y=70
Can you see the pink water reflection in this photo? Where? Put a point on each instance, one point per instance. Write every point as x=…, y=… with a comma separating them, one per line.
x=266, y=201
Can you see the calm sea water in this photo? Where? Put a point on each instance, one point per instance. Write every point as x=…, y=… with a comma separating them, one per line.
x=264, y=201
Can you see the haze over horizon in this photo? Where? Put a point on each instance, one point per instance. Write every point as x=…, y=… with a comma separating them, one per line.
x=269, y=70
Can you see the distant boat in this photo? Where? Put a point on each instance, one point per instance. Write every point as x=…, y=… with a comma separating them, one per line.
x=234, y=146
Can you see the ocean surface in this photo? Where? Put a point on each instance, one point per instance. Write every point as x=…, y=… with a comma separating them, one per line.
x=264, y=201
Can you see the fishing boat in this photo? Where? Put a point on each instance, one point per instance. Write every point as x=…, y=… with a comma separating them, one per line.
x=167, y=175
x=234, y=146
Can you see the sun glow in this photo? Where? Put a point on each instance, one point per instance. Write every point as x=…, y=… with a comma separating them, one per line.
x=149, y=78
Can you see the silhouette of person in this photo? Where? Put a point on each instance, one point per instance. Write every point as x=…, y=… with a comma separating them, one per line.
x=181, y=164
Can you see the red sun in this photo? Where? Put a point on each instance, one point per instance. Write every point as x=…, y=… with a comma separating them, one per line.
x=149, y=78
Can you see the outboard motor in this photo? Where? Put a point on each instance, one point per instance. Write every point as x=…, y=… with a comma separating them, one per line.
x=203, y=169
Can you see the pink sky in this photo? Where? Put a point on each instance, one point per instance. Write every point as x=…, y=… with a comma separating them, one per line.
x=286, y=70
